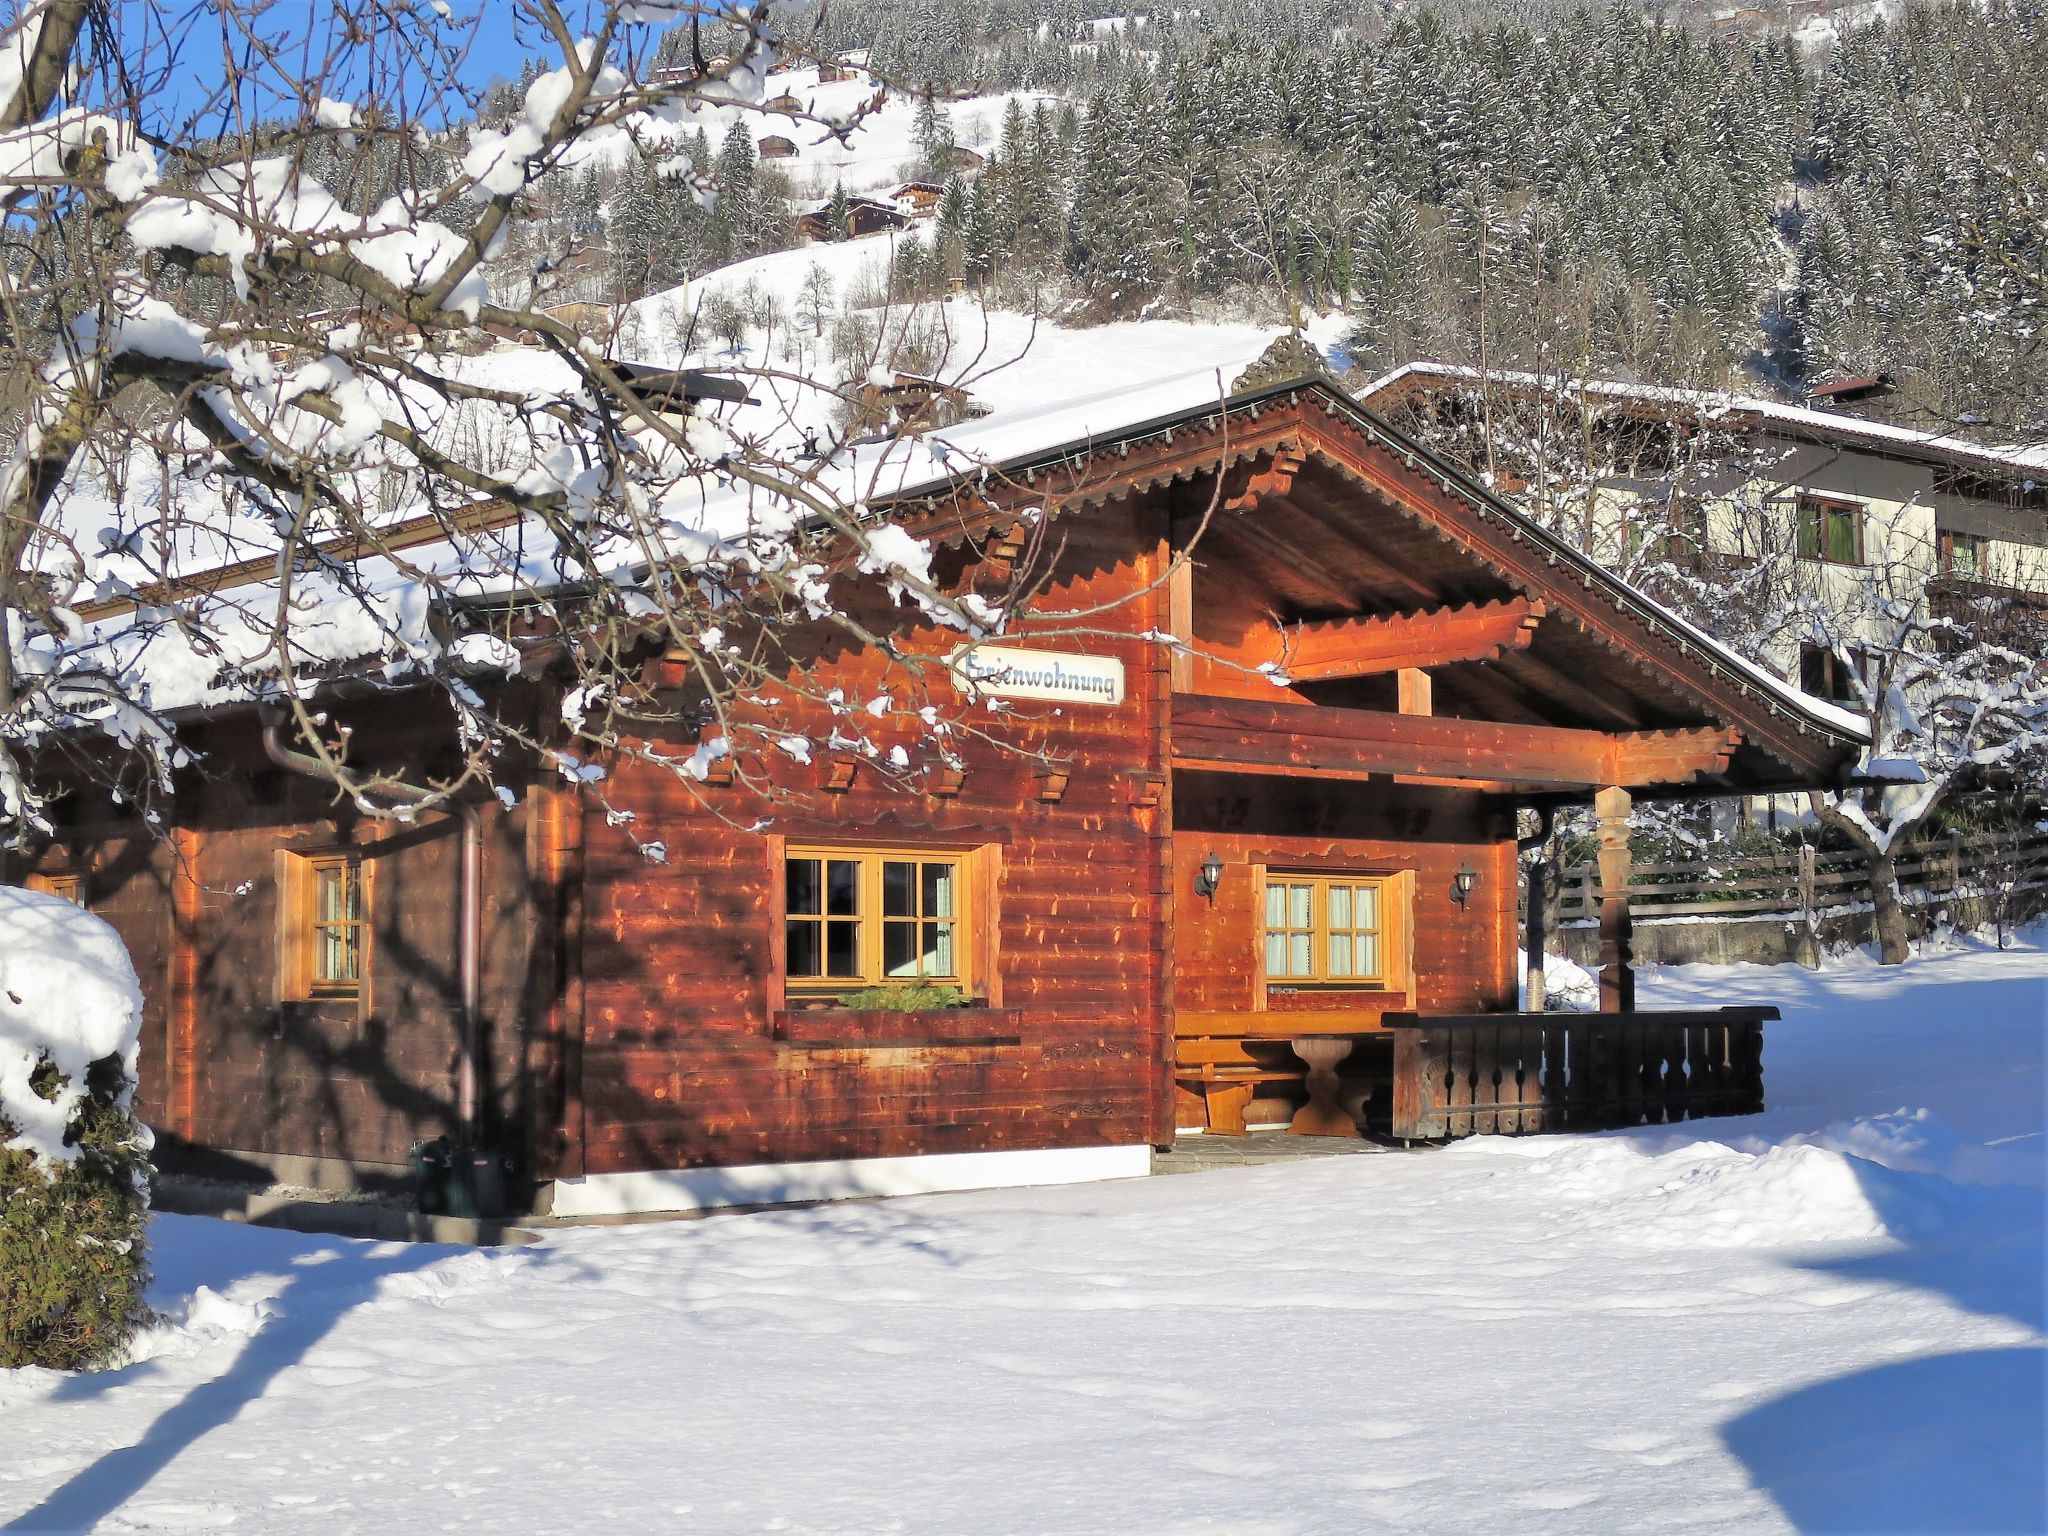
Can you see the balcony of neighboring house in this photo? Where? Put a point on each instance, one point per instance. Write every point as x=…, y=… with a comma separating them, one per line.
x=1972, y=587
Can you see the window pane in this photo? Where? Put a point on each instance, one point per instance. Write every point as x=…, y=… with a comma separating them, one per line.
x=803, y=885
x=938, y=890
x=1340, y=906
x=1276, y=954
x=327, y=893
x=1368, y=901
x=804, y=942
x=1808, y=544
x=899, y=888
x=1842, y=536
x=938, y=949
x=1300, y=961
x=1298, y=900
x=1368, y=955
x=1276, y=906
x=899, y=949
x=842, y=888
x=842, y=949
x=1340, y=954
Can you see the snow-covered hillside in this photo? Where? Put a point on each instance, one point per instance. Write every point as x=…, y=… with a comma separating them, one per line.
x=1825, y=1318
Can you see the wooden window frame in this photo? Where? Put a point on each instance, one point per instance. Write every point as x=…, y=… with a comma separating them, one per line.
x=1841, y=681
x=1979, y=543
x=1396, y=932
x=299, y=927
x=1823, y=508
x=973, y=919
x=67, y=883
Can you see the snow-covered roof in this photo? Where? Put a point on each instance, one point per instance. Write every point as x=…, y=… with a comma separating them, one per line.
x=1740, y=410
x=1143, y=377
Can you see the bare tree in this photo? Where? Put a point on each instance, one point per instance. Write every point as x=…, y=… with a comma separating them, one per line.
x=261, y=436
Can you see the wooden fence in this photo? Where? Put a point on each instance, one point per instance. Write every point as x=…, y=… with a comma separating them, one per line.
x=1516, y=1074
x=1986, y=867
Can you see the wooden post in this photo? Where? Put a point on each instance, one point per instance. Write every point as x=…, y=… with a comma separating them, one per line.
x=1533, y=934
x=1413, y=693
x=181, y=1022
x=1180, y=600
x=1617, y=974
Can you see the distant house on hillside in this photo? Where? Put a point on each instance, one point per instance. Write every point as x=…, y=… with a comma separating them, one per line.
x=1858, y=504
x=919, y=198
x=833, y=70
x=916, y=402
x=776, y=147
x=786, y=102
x=964, y=159
x=864, y=216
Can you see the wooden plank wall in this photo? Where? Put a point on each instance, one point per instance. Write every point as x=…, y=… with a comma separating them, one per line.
x=224, y=1064
x=1464, y=959
x=680, y=982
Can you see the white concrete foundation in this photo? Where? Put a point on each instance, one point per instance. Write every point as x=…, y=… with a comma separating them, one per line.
x=710, y=1189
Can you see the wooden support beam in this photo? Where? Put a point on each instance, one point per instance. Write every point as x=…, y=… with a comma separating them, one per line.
x=1428, y=637
x=1313, y=741
x=1617, y=951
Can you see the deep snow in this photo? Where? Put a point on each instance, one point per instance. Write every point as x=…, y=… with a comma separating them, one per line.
x=1826, y=1317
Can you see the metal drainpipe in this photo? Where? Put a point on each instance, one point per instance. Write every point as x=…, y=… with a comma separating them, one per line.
x=470, y=884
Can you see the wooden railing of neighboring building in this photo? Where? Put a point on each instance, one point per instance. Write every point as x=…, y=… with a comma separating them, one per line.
x=1805, y=881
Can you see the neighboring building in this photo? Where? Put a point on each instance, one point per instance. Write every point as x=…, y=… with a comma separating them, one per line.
x=1859, y=509
x=864, y=216
x=776, y=147
x=920, y=198
x=1244, y=879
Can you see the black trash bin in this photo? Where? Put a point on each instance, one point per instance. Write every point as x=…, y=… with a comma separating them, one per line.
x=455, y=1179
x=432, y=1170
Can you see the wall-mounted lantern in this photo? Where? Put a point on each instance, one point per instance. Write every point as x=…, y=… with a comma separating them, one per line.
x=1462, y=883
x=1209, y=876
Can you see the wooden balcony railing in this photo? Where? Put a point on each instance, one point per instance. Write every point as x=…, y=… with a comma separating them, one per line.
x=1515, y=1074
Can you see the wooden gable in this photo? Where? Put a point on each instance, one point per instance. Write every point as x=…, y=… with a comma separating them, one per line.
x=1357, y=606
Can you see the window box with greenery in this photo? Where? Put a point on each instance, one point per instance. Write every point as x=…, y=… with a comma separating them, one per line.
x=888, y=945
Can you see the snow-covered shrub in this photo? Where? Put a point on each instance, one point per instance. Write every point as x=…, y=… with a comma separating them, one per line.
x=73, y=1158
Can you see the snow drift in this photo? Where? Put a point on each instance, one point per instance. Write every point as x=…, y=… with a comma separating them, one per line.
x=68, y=995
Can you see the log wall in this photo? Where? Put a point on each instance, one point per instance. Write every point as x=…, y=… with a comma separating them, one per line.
x=680, y=1060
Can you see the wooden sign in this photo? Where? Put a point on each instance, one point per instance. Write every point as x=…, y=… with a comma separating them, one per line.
x=1007, y=672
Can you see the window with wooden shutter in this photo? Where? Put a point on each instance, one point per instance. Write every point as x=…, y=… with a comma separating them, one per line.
x=323, y=925
x=69, y=884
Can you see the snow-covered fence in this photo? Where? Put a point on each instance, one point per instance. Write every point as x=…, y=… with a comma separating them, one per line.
x=1988, y=867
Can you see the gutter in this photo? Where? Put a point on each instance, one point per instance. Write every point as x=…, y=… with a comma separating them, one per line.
x=469, y=897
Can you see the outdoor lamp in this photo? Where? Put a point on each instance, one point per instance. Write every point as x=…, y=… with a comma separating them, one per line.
x=1462, y=883
x=1209, y=876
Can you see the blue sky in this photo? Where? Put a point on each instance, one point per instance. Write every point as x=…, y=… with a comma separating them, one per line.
x=186, y=47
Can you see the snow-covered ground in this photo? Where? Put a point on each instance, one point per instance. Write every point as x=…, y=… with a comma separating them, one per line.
x=1824, y=1318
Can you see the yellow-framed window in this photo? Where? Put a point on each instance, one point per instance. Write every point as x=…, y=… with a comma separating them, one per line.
x=1328, y=930
x=861, y=917
x=68, y=884
x=334, y=923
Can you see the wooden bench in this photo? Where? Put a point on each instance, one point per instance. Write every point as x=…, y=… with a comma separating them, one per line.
x=1216, y=1076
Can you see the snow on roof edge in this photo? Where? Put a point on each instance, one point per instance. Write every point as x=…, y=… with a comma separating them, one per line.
x=1718, y=404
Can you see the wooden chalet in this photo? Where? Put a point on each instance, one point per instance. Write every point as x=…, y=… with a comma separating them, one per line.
x=864, y=216
x=1270, y=878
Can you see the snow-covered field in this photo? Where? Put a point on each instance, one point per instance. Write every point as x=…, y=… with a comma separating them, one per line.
x=1824, y=1318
